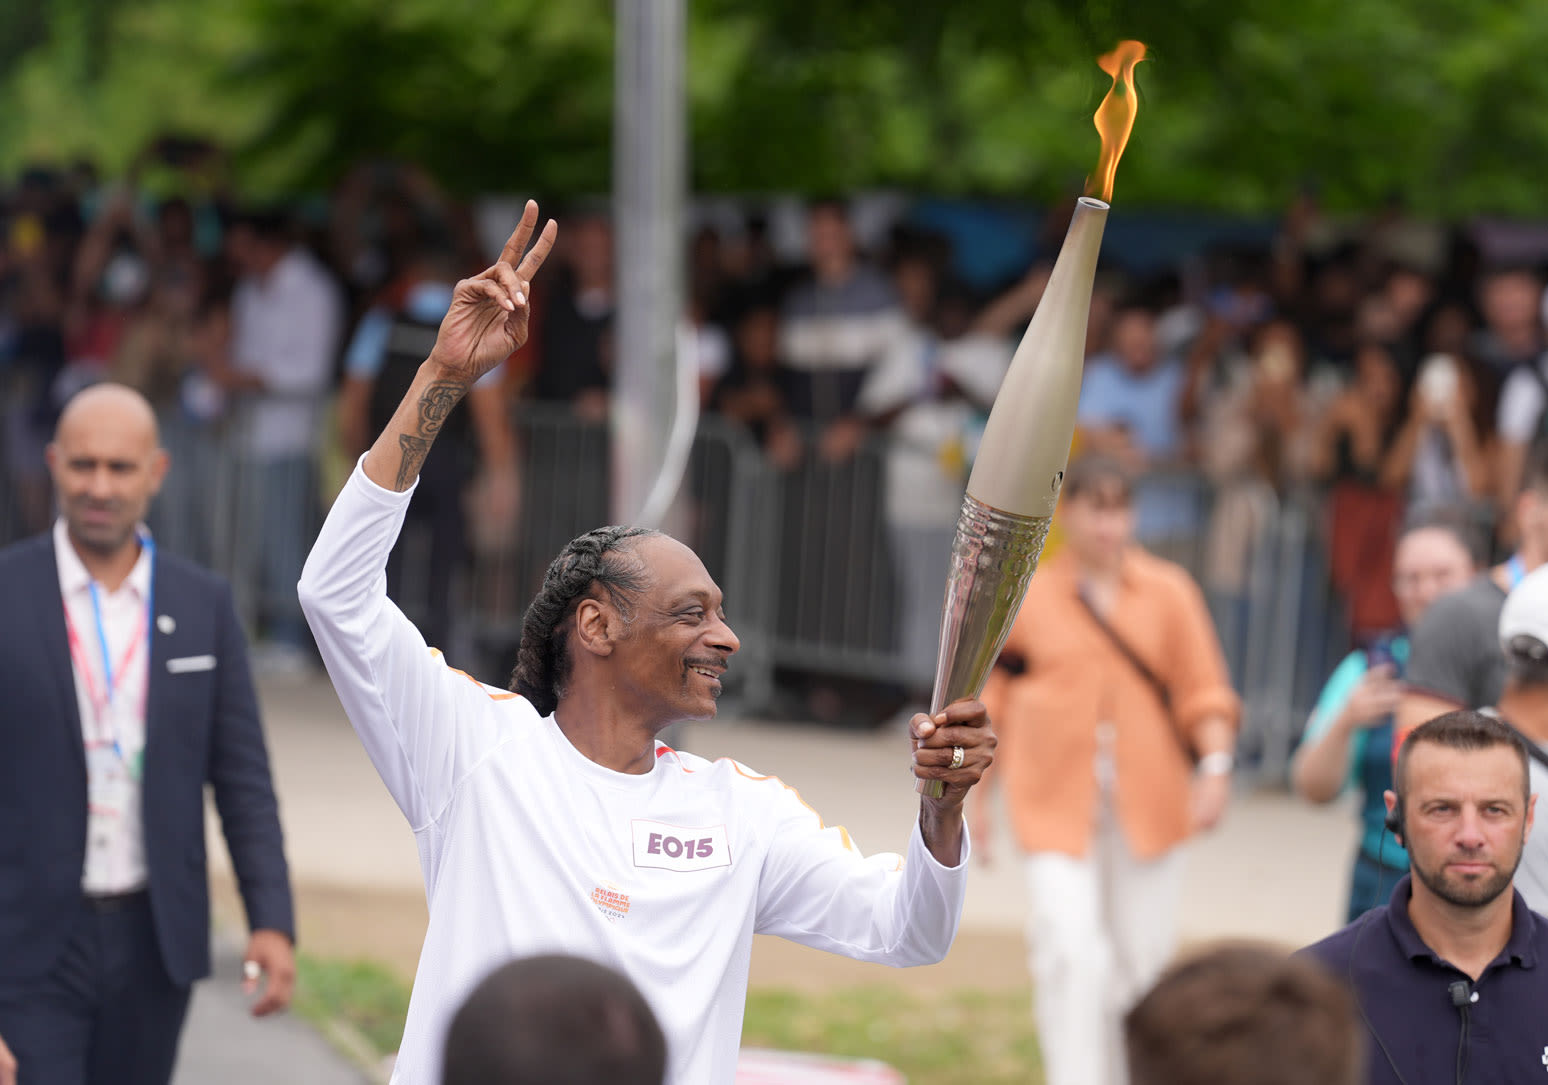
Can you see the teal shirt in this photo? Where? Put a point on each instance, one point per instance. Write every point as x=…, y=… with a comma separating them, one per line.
x=1370, y=753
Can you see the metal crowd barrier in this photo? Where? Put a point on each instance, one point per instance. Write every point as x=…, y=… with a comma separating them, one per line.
x=820, y=576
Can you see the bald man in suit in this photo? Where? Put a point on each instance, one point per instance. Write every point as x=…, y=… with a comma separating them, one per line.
x=127, y=690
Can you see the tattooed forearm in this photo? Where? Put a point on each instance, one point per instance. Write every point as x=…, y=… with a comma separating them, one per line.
x=436, y=403
x=414, y=449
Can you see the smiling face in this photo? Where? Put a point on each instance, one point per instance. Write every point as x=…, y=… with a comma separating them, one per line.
x=669, y=657
x=1465, y=819
x=107, y=464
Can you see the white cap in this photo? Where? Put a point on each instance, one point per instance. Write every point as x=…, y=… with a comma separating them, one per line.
x=1524, y=619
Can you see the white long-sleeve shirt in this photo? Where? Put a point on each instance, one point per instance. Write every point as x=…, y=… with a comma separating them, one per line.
x=527, y=846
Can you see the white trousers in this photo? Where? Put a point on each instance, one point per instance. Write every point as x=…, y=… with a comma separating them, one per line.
x=1100, y=931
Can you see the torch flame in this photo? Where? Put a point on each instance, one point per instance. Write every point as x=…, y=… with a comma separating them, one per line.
x=1115, y=116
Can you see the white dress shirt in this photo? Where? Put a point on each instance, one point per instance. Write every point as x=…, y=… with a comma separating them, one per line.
x=285, y=329
x=112, y=729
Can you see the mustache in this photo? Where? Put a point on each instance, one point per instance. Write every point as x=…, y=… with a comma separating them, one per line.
x=720, y=662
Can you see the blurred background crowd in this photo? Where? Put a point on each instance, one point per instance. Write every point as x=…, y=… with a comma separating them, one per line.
x=1288, y=389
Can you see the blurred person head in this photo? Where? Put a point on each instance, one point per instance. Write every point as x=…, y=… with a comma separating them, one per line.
x=830, y=241
x=259, y=240
x=175, y=224
x=1523, y=633
x=914, y=278
x=1377, y=321
x=1278, y=354
x=1437, y=553
x=1463, y=806
x=1509, y=299
x=107, y=464
x=757, y=338
x=1408, y=292
x=1133, y=338
x=1448, y=328
x=1245, y=1014
x=1096, y=510
x=1377, y=378
x=1531, y=507
x=587, y=247
x=1105, y=292
x=554, y=1020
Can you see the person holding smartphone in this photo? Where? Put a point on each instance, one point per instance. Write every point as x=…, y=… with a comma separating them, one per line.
x=1349, y=738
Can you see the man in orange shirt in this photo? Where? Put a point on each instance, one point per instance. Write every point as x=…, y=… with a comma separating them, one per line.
x=1117, y=722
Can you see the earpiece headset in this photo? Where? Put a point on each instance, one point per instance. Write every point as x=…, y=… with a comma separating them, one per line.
x=1393, y=825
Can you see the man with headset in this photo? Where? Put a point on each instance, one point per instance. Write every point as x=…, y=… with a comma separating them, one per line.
x=1451, y=976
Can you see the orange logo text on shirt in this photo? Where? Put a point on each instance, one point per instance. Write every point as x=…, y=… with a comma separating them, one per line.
x=611, y=901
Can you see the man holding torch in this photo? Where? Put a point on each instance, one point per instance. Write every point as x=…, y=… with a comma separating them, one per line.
x=550, y=819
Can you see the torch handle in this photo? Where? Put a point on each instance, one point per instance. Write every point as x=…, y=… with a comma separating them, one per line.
x=993, y=557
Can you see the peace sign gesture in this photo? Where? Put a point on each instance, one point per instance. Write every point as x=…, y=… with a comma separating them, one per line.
x=488, y=317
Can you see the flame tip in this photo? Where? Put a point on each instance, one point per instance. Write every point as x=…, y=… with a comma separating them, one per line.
x=1115, y=116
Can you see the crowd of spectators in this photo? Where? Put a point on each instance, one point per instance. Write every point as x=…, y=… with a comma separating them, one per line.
x=1385, y=364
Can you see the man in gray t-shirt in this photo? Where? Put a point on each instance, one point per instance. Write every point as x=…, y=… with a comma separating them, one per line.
x=1454, y=657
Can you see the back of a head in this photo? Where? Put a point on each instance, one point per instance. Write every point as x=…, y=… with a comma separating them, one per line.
x=554, y=1020
x=1523, y=629
x=1245, y=1014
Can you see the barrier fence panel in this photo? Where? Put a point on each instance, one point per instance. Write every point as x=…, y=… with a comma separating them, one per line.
x=824, y=572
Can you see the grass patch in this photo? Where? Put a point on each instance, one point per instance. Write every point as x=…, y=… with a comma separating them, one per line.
x=955, y=1038
x=363, y=995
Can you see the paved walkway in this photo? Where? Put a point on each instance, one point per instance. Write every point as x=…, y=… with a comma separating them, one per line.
x=1275, y=870
x=225, y=1045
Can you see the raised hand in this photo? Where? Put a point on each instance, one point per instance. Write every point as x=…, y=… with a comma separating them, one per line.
x=487, y=321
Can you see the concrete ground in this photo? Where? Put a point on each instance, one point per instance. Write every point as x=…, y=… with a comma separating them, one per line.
x=1277, y=868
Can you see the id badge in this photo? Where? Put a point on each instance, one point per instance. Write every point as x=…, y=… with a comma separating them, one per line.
x=109, y=783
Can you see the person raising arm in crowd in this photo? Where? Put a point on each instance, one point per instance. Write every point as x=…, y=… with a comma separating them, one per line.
x=549, y=818
x=1348, y=740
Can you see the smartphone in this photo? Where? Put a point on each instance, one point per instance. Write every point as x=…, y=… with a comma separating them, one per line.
x=1379, y=654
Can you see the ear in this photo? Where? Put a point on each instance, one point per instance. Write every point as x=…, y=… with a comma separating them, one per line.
x=1531, y=812
x=51, y=457
x=595, y=627
x=160, y=461
x=1390, y=798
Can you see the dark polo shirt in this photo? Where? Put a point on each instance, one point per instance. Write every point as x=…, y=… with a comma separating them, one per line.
x=1404, y=991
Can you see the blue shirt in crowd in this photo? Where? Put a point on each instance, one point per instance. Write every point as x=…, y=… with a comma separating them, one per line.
x=1146, y=404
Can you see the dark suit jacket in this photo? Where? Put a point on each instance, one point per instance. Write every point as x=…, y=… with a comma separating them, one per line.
x=202, y=727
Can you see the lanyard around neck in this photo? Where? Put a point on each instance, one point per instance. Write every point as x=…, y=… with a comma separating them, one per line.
x=102, y=704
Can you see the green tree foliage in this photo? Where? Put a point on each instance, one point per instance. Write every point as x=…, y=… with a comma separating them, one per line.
x=1439, y=104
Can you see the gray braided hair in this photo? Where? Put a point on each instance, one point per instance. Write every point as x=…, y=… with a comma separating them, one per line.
x=595, y=558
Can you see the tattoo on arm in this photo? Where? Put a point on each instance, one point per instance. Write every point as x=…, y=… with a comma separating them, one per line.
x=414, y=449
x=435, y=403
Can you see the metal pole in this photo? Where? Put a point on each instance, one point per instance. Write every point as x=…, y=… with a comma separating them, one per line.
x=648, y=193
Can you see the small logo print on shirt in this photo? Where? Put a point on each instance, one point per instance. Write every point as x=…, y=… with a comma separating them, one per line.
x=680, y=847
x=611, y=901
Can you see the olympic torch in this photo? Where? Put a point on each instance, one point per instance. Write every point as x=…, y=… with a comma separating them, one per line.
x=1014, y=486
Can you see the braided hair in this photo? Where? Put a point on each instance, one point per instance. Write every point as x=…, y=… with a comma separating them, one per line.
x=594, y=559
